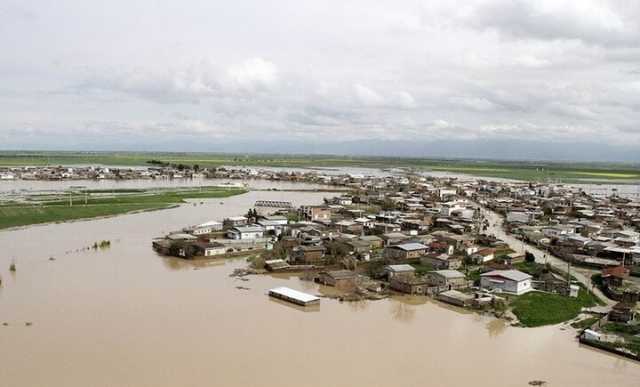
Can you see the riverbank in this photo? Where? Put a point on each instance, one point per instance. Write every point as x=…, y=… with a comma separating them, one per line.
x=89, y=204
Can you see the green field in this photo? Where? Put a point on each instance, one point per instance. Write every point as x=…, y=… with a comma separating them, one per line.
x=536, y=309
x=519, y=170
x=47, y=210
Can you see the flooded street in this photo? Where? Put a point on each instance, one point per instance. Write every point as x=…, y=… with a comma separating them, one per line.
x=128, y=317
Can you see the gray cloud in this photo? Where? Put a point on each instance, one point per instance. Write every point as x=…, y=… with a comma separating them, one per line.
x=245, y=72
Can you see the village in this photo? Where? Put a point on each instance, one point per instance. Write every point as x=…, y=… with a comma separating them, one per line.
x=164, y=171
x=531, y=253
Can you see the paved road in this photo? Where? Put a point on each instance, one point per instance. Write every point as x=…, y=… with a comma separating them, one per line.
x=582, y=276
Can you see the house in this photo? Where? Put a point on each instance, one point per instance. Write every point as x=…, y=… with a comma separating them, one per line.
x=442, y=261
x=408, y=283
x=624, y=311
x=387, y=228
x=456, y=298
x=365, y=222
x=451, y=279
x=509, y=281
x=246, y=232
x=274, y=225
x=315, y=213
x=375, y=242
x=276, y=265
x=205, y=228
x=210, y=249
x=308, y=255
x=235, y=221
x=182, y=237
x=341, y=279
x=615, y=276
x=394, y=270
x=394, y=238
x=484, y=255
x=348, y=226
x=405, y=251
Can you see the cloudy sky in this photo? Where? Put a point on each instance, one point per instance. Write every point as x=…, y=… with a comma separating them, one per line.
x=488, y=78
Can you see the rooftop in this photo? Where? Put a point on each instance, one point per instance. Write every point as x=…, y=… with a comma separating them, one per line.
x=411, y=246
x=513, y=275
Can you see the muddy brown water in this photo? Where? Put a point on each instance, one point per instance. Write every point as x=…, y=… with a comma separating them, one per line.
x=128, y=317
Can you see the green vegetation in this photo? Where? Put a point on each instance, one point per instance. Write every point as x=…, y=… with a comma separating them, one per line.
x=534, y=269
x=536, y=309
x=12, y=267
x=629, y=332
x=422, y=269
x=13, y=215
x=623, y=329
x=584, y=323
x=474, y=275
x=531, y=171
x=102, y=245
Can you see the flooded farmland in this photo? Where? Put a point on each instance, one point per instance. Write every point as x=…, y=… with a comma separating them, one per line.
x=125, y=316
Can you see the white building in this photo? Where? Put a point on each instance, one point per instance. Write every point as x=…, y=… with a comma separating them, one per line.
x=206, y=228
x=246, y=232
x=215, y=249
x=509, y=281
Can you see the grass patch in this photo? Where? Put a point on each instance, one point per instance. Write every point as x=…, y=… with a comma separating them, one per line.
x=624, y=329
x=585, y=323
x=536, y=309
x=59, y=211
x=534, y=269
x=422, y=269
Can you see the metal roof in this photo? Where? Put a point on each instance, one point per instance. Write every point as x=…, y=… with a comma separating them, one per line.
x=411, y=246
x=291, y=293
x=249, y=229
x=450, y=273
x=402, y=267
x=513, y=275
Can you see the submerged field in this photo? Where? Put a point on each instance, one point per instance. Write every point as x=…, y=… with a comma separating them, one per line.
x=529, y=171
x=85, y=204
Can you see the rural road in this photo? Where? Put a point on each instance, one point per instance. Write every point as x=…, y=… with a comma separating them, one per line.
x=582, y=276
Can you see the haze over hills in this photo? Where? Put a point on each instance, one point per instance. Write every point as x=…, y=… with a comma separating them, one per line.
x=506, y=150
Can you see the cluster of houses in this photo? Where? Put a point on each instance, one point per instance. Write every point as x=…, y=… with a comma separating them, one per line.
x=422, y=235
x=94, y=173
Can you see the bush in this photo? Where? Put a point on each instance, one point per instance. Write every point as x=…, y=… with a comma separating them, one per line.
x=529, y=257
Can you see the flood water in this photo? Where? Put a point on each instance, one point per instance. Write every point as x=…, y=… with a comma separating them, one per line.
x=61, y=185
x=128, y=317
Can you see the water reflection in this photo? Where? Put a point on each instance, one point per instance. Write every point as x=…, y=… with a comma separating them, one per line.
x=358, y=306
x=403, y=312
x=308, y=308
x=176, y=264
x=496, y=327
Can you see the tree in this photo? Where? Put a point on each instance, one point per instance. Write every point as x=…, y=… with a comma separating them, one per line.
x=337, y=249
x=529, y=257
